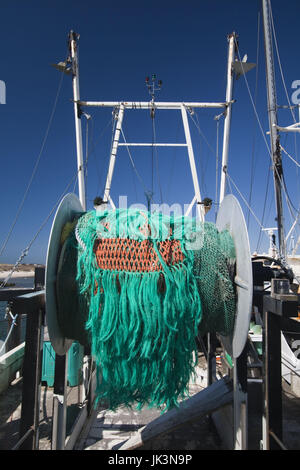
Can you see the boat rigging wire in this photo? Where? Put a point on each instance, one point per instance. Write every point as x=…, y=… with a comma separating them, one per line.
x=200, y=131
x=215, y=153
x=264, y=209
x=202, y=163
x=85, y=167
x=154, y=150
x=111, y=121
x=291, y=108
x=280, y=66
x=253, y=130
x=289, y=202
x=217, y=119
x=275, y=169
x=245, y=201
x=24, y=253
x=88, y=120
x=293, y=160
x=254, y=106
x=146, y=191
x=288, y=197
x=35, y=166
x=173, y=160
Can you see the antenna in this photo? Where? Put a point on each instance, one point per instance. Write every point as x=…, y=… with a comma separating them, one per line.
x=153, y=86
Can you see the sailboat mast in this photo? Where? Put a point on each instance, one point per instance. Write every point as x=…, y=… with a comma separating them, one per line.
x=274, y=135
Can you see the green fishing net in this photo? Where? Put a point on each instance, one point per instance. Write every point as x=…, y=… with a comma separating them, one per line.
x=148, y=284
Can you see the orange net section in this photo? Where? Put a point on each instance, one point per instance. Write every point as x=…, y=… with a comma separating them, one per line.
x=124, y=254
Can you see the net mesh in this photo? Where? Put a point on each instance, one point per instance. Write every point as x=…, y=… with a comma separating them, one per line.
x=150, y=283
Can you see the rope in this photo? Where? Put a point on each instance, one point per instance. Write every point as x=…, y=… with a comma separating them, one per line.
x=14, y=318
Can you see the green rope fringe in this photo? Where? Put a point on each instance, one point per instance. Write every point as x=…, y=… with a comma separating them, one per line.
x=143, y=338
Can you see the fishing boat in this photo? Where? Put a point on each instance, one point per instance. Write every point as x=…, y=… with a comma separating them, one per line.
x=153, y=262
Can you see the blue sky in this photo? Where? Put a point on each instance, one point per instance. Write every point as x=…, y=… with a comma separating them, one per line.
x=185, y=44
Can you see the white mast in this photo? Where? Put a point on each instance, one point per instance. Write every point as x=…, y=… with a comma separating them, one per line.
x=227, y=121
x=73, y=37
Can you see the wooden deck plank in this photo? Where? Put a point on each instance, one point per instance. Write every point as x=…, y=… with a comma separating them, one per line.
x=204, y=402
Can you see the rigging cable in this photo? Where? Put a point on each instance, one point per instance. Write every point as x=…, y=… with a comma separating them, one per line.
x=264, y=209
x=197, y=124
x=257, y=117
x=88, y=117
x=26, y=250
x=245, y=201
x=35, y=166
x=291, y=108
x=92, y=150
x=200, y=131
x=293, y=160
x=173, y=161
x=113, y=122
x=289, y=202
x=202, y=163
x=282, y=179
x=254, y=106
x=217, y=119
x=154, y=148
x=280, y=67
x=146, y=191
x=253, y=142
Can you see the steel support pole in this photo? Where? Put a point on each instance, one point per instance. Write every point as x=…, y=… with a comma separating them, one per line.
x=31, y=391
x=59, y=403
x=77, y=114
x=113, y=154
x=192, y=162
x=148, y=104
x=227, y=120
x=240, y=402
x=276, y=309
x=272, y=419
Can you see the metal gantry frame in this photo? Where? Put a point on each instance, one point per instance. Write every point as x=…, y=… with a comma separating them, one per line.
x=240, y=393
x=183, y=107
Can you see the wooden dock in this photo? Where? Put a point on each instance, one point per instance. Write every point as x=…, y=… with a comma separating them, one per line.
x=185, y=428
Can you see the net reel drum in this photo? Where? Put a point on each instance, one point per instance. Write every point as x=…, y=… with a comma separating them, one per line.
x=230, y=217
x=65, y=324
x=68, y=211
